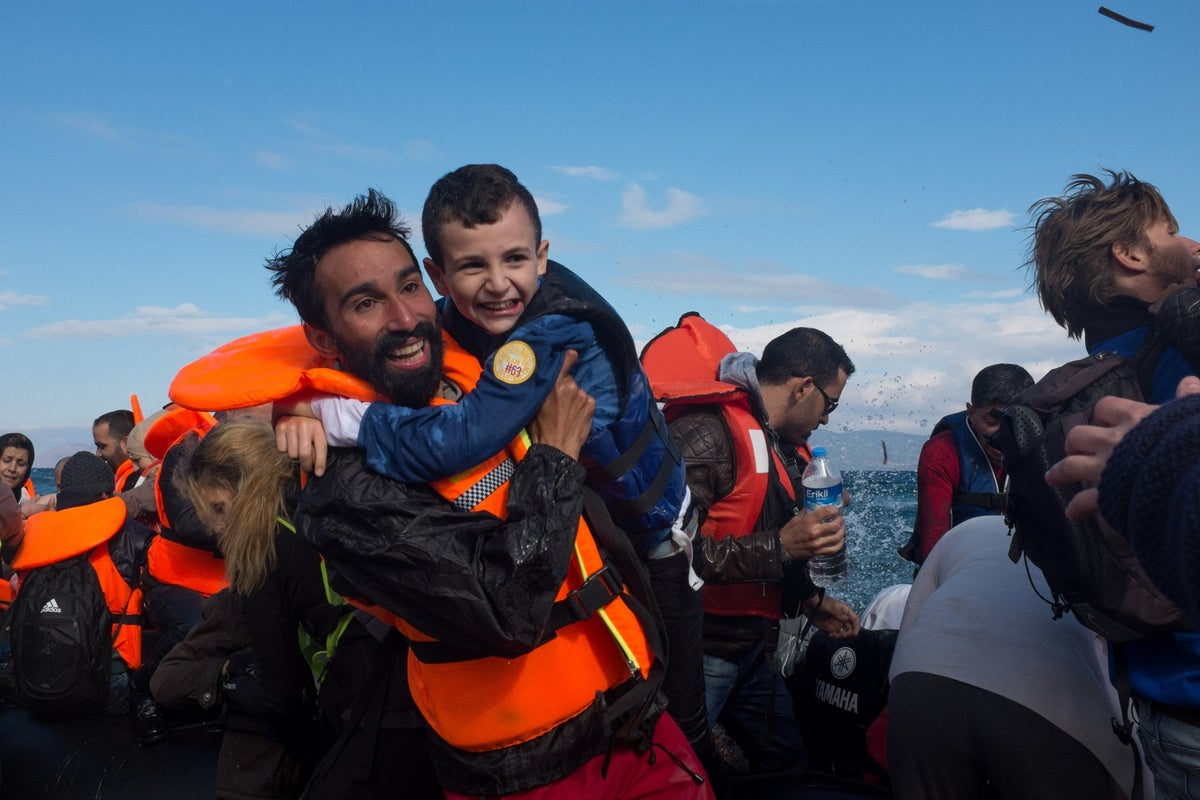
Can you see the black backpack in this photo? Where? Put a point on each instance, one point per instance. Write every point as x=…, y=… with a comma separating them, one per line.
x=61, y=636
x=1090, y=568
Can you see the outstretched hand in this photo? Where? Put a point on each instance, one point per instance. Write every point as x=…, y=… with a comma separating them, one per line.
x=832, y=616
x=565, y=418
x=1090, y=446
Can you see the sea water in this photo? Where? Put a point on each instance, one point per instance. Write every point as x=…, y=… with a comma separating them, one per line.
x=883, y=506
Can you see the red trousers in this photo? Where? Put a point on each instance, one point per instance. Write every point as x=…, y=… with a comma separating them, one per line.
x=631, y=775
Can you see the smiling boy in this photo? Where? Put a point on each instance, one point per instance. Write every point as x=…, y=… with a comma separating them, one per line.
x=519, y=313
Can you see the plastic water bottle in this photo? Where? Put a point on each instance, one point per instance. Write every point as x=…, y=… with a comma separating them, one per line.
x=823, y=487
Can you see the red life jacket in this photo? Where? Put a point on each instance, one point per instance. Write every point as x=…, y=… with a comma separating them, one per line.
x=683, y=365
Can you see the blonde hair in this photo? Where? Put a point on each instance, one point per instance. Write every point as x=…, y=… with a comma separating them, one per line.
x=240, y=456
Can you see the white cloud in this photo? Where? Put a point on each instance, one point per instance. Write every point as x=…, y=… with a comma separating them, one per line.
x=185, y=319
x=752, y=283
x=302, y=127
x=977, y=219
x=594, y=173
x=548, y=208
x=1003, y=294
x=681, y=207
x=422, y=150
x=914, y=362
x=937, y=272
x=92, y=125
x=10, y=299
x=328, y=144
x=272, y=161
x=247, y=221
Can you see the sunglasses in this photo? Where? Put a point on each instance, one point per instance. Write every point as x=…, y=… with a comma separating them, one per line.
x=830, y=403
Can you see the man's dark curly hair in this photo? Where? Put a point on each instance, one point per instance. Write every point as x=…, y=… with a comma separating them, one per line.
x=370, y=216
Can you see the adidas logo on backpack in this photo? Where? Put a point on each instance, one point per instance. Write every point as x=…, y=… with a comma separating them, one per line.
x=51, y=607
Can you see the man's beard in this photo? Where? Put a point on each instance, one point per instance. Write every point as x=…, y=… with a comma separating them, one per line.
x=411, y=388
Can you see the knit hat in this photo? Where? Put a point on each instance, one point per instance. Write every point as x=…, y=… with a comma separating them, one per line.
x=87, y=473
x=1149, y=492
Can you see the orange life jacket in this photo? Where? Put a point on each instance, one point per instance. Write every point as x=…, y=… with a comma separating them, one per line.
x=126, y=469
x=202, y=571
x=30, y=492
x=54, y=536
x=490, y=703
x=169, y=561
x=172, y=426
x=482, y=704
x=261, y=368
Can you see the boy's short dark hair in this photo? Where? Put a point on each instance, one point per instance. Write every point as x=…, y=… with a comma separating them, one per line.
x=369, y=216
x=476, y=194
x=998, y=383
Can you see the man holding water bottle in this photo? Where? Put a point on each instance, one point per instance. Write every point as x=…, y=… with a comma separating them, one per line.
x=745, y=447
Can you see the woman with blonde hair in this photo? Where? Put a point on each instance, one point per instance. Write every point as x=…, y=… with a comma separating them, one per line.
x=239, y=483
x=246, y=653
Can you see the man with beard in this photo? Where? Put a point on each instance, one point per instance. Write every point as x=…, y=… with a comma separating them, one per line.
x=476, y=593
x=1110, y=267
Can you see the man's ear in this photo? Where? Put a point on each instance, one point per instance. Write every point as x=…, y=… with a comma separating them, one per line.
x=800, y=385
x=1132, y=257
x=322, y=342
x=437, y=276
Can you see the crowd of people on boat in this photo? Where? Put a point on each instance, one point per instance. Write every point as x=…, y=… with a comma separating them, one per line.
x=482, y=547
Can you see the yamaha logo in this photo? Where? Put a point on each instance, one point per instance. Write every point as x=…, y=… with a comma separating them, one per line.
x=843, y=662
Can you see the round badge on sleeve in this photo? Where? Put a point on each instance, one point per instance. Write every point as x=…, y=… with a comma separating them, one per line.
x=514, y=363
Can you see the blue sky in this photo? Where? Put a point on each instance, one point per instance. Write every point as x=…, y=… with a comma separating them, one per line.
x=862, y=167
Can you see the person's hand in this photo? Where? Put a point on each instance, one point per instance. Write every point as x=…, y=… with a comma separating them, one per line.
x=303, y=439
x=1090, y=446
x=565, y=418
x=819, y=532
x=43, y=502
x=832, y=616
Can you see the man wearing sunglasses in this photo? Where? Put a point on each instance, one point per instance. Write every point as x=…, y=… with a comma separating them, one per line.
x=742, y=424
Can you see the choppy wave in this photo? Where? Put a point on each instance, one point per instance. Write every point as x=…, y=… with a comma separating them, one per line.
x=883, y=507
